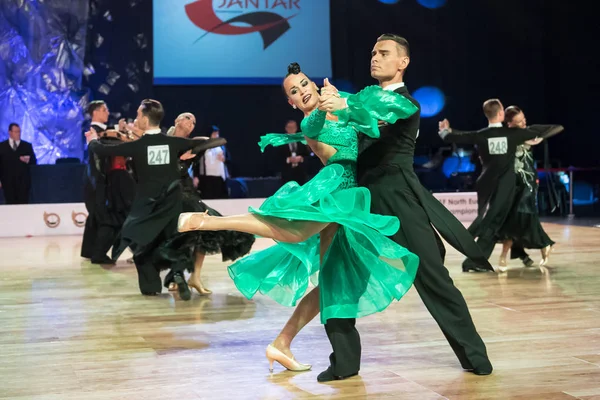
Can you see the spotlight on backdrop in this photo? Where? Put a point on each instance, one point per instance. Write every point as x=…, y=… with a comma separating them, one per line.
x=431, y=3
x=389, y=1
x=432, y=100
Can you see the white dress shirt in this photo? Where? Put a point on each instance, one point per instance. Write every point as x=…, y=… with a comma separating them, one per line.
x=12, y=143
x=394, y=86
x=214, y=166
x=99, y=124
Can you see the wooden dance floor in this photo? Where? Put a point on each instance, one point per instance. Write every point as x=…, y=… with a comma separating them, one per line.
x=72, y=330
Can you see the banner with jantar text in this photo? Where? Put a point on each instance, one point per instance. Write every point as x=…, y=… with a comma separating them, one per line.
x=239, y=41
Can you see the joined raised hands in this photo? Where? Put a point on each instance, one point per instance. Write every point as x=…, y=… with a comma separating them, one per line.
x=330, y=99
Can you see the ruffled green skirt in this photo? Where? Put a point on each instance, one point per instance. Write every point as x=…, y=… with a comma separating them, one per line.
x=363, y=270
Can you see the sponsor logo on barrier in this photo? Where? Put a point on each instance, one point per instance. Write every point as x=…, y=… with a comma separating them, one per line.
x=462, y=205
x=79, y=219
x=52, y=220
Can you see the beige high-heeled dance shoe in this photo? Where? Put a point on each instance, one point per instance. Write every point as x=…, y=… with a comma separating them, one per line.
x=186, y=224
x=546, y=254
x=502, y=265
x=289, y=363
x=200, y=288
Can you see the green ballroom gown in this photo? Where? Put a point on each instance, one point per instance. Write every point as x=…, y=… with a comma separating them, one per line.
x=363, y=270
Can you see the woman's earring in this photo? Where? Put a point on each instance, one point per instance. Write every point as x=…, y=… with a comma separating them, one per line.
x=294, y=106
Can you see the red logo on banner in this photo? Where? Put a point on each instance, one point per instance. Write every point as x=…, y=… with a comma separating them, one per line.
x=270, y=25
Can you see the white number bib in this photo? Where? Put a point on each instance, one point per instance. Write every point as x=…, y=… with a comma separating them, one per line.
x=498, y=145
x=159, y=155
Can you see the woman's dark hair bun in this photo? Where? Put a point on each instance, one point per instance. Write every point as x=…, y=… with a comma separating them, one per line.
x=294, y=68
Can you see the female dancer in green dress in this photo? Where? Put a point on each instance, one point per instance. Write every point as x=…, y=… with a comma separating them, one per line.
x=324, y=226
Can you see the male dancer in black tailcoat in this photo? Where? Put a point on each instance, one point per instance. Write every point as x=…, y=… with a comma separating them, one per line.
x=385, y=167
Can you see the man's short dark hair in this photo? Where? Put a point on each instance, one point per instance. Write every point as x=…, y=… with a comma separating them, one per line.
x=95, y=105
x=491, y=108
x=400, y=41
x=12, y=125
x=153, y=110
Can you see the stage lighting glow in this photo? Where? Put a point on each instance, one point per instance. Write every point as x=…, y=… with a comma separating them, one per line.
x=343, y=85
x=389, y=1
x=564, y=178
x=432, y=3
x=454, y=165
x=432, y=100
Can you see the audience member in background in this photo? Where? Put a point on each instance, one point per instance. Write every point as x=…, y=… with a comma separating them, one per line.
x=16, y=156
x=212, y=171
x=292, y=156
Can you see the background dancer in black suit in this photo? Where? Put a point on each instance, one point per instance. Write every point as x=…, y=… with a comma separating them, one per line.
x=94, y=190
x=157, y=203
x=496, y=187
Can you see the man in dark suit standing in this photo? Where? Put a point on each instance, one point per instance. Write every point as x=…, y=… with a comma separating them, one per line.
x=385, y=167
x=16, y=156
x=93, y=189
x=292, y=158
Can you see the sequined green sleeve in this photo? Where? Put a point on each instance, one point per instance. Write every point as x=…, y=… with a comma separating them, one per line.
x=371, y=105
x=280, y=139
x=312, y=125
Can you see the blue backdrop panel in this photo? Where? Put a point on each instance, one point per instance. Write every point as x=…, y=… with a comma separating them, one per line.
x=42, y=44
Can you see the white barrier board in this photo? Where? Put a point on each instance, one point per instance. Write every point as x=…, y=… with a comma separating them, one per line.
x=69, y=218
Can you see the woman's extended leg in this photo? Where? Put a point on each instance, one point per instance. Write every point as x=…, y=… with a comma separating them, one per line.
x=279, y=229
